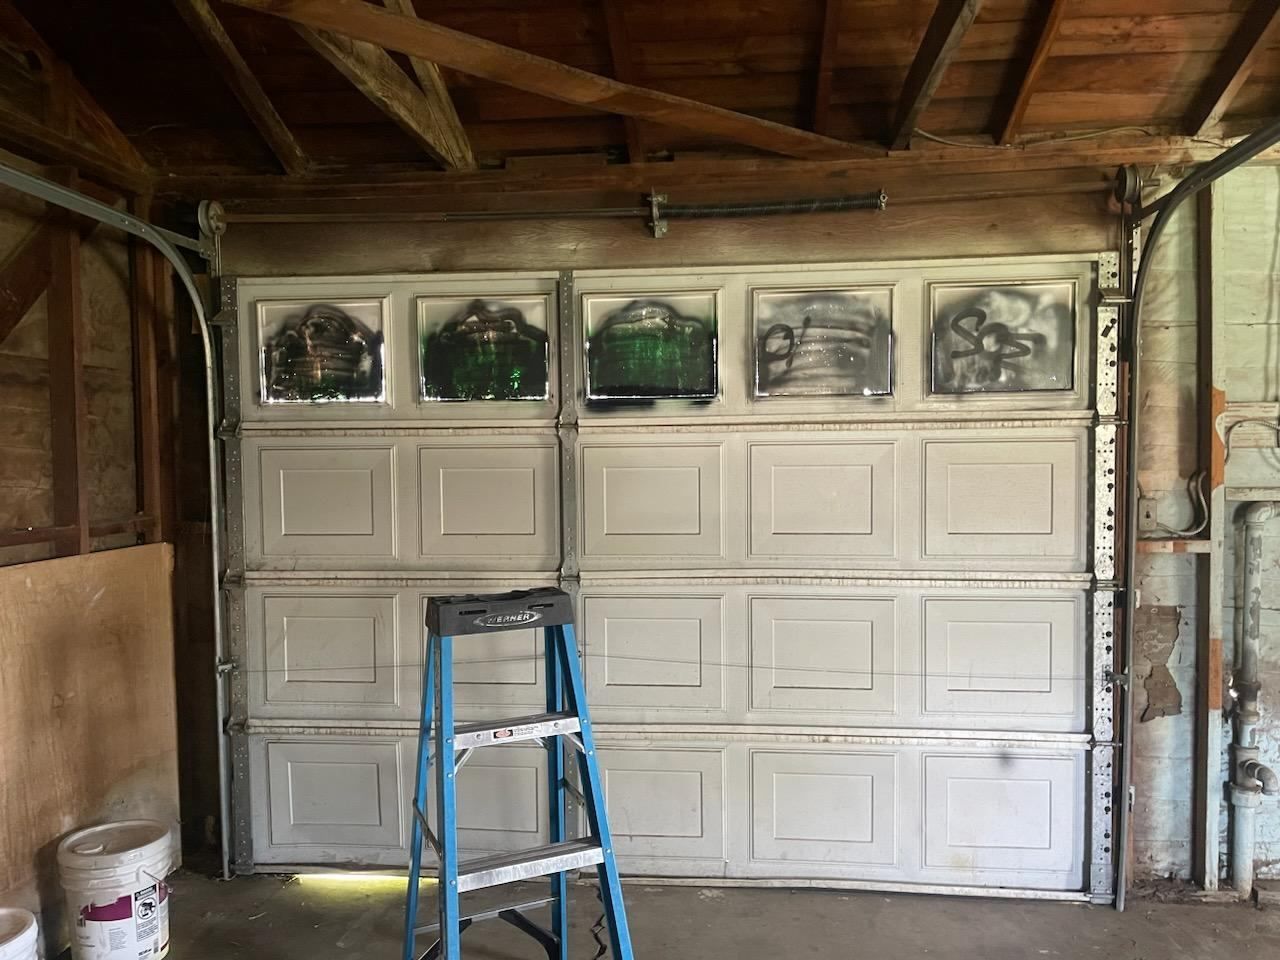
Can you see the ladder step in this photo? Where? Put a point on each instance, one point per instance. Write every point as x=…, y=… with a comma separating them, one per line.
x=491, y=912
x=525, y=864
x=467, y=736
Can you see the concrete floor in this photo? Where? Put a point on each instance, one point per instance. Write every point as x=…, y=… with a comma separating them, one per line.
x=317, y=918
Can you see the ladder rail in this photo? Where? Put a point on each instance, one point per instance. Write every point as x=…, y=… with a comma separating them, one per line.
x=420, y=800
x=446, y=797
x=554, y=683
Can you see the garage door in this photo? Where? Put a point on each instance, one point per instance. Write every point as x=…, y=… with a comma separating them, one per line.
x=830, y=533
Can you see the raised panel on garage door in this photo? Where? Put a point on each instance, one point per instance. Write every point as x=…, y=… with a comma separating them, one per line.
x=1001, y=501
x=493, y=672
x=655, y=500
x=325, y=504
x=502, y=803
x=827, y=657
x=325, y=654
x=1005, y=661
x=331, y=794
x=827, y=807
x=488, y=507
x=665, y=802
x=1008, y=818
x=649, y=654
x=833, y=499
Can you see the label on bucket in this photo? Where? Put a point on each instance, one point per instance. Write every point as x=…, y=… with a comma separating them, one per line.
x=133, y=927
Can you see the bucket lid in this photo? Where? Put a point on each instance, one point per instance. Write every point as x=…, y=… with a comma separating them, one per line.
x=114, y=844
x=17, y=932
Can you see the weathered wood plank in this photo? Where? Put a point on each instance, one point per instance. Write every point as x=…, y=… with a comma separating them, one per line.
x=231, y=66
x=941, y=40
x=472, y=55
x=378, y=77
x=1234, y=66
x=439, y=102
x=1009, y=119
x=24, y=276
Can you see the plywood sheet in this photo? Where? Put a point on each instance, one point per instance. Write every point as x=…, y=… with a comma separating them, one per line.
x=87, y=719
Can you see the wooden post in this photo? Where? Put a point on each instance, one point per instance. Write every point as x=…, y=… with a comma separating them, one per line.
x=146, y=400
x=67, y=403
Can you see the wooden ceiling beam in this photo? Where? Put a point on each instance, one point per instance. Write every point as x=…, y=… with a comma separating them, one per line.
x=439, y=100
x=515, y=68
x=951, y=20
x=1233, y=67
x=217, y=44
x=378, y=77
x=828, y=47
x=69, y=106
x=28, y=136
x=624, y=69
x=693, y=175
x=1010, y=113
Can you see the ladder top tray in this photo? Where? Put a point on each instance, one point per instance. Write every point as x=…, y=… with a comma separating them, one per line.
x=490, y=612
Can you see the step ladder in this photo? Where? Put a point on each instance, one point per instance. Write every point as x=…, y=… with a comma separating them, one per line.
x=449, y=618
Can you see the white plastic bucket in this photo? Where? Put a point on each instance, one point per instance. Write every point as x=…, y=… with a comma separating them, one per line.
x=113, y=876
x=18, y=933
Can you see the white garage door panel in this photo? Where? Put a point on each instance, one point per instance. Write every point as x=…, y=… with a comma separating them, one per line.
x=666, y=804
x=649, y=655
x=1005, y=661
x=326, y=651
x=1007, y=501
x=324, y=502
x=338, y=799
x=502, y=800
x=828, y=657
x=488, y=507
x=823, y=499
x=650, y=500
x=825, y=808
x=1013, y=815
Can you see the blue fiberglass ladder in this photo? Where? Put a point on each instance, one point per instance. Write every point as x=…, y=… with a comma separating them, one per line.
x=566, y=717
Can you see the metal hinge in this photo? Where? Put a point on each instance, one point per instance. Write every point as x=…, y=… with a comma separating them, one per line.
x=1121, y=679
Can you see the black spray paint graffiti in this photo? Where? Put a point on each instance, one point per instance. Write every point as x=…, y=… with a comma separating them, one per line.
x=1004, y=339
x=822, y=344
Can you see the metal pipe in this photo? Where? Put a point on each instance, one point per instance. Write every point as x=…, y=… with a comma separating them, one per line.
x=167, y=242
x=1250, y=778
x=1163, y=208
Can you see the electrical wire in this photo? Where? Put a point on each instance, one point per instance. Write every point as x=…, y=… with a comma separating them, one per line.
x=1199, y=505
x=305, y=674
x=1057, y=138
x=1226, y=434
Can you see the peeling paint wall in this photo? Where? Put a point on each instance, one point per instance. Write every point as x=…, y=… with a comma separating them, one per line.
x=1166, y=628
x=1247, y=205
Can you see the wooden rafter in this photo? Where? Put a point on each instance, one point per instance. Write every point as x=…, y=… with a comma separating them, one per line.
x=217, y=44
x=951, y=20
x=828, y=47
x=438, y=99
x=1233, y=66
x=69, y=106
x=525, y=71
x=378, y=77
x=1014, y=106
x=624, y=69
